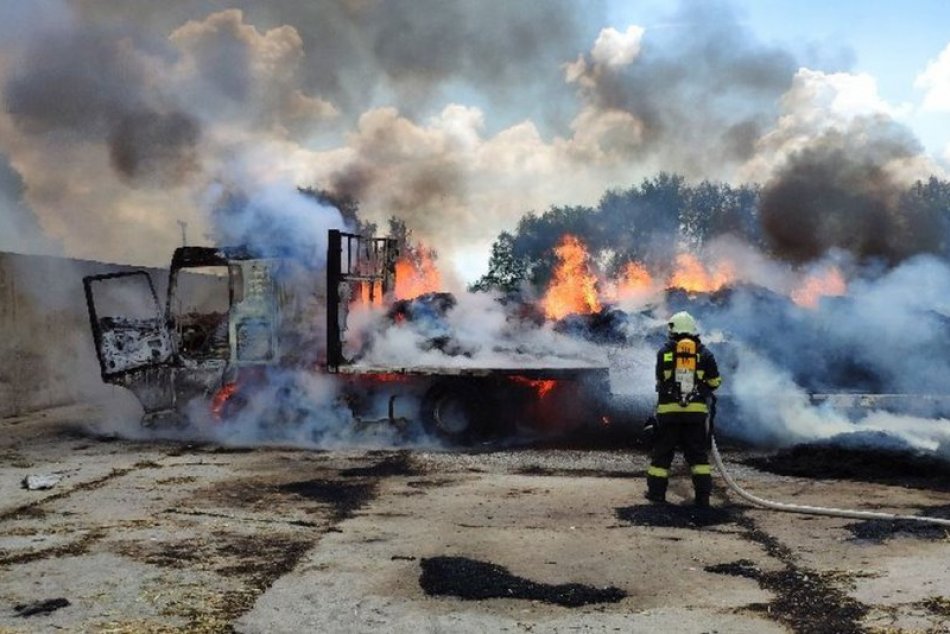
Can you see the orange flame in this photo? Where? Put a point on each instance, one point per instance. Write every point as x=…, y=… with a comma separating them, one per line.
x=634, y=281
x=417, y=276
x=691, y=275
x=816, y=286
x=388, y=377
x=375, y=298
x=573, y=288
x=576, y=288
x=542, y=386
x=220, y=398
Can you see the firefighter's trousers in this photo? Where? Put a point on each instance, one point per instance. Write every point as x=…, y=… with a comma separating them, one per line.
x=686, y=431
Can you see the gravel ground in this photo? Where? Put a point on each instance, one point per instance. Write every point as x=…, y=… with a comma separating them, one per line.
x=142, y=536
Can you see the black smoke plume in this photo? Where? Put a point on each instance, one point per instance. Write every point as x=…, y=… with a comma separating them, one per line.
x=148, y=145
x=89, y=84
x=841, y=192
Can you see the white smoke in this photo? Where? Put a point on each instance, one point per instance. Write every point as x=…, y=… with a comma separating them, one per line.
x=879, y=338
x=303, y=409
x=481, y=335
x=119, y=121
x=775, y=411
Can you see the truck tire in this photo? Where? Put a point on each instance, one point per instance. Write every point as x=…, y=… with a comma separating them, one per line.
x=458, y=413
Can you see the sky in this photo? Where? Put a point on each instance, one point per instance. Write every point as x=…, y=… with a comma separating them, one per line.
x=120, y=119
x=891, y=41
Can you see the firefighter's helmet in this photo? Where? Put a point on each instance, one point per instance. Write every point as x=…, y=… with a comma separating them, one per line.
x=682, y=323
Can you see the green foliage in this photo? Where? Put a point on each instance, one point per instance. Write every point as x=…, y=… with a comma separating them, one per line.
x=506, y=271
x=650, y=221
x=645, y=222
x=924, y=202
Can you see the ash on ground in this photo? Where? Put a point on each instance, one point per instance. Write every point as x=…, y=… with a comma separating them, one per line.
x=476, y=580
x=672, y=516
x=882, y=530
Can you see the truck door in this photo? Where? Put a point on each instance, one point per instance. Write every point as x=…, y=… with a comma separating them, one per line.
x=132, y=338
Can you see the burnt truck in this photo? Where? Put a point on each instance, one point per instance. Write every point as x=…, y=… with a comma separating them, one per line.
x=232, y=319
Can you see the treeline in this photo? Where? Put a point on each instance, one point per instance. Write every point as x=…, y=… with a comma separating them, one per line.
x=650, y=223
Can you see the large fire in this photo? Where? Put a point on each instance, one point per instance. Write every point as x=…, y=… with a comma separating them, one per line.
x=573, y=288
x=692, y=275
x=417, y=275
x=576, y=287
x=829, y=283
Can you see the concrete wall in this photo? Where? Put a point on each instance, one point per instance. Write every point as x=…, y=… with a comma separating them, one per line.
x=47, y=356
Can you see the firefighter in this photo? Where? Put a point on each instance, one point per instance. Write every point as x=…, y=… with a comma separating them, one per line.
x=686, y=375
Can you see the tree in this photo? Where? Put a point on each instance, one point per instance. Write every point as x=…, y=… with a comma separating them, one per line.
x=926, y=206
x=506, y=271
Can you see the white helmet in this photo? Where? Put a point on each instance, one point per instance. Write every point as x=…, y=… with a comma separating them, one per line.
x=682, y=323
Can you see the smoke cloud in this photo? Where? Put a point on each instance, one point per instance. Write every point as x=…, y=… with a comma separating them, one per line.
x=841, y=192
x=154, y=146
x=118, y=122
x=365, y=100
x=19, y=231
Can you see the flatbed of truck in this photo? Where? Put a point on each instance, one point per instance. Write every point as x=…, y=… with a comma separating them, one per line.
x=529, y=372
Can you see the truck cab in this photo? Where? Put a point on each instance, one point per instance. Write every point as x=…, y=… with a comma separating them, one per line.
x=220, y=314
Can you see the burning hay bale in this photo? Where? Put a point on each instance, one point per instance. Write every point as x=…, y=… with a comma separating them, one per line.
x=606, y=326
x=426, y=314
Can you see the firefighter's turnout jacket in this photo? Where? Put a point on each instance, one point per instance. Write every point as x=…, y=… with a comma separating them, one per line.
x=707, y=379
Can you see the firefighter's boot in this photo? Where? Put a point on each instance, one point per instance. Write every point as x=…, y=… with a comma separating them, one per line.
x=657, y=479
x=702, y=484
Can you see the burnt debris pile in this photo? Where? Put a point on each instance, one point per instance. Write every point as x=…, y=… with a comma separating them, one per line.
x=882, y=530
x=427, y=314
x=478, y=580
x=860, y=463
x=40, y=608
x=804, y=599
x=607, y=326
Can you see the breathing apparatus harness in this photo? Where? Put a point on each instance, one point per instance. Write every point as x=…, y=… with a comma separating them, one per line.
x=682, y=382
x=685, y=383
x=799, y=508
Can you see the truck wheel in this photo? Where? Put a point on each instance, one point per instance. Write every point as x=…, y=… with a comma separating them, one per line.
x=456, y=413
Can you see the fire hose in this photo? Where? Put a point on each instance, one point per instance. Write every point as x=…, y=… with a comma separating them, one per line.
x=800, y=508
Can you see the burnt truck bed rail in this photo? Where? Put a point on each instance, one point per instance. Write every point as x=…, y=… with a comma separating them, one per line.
x=354, y=262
